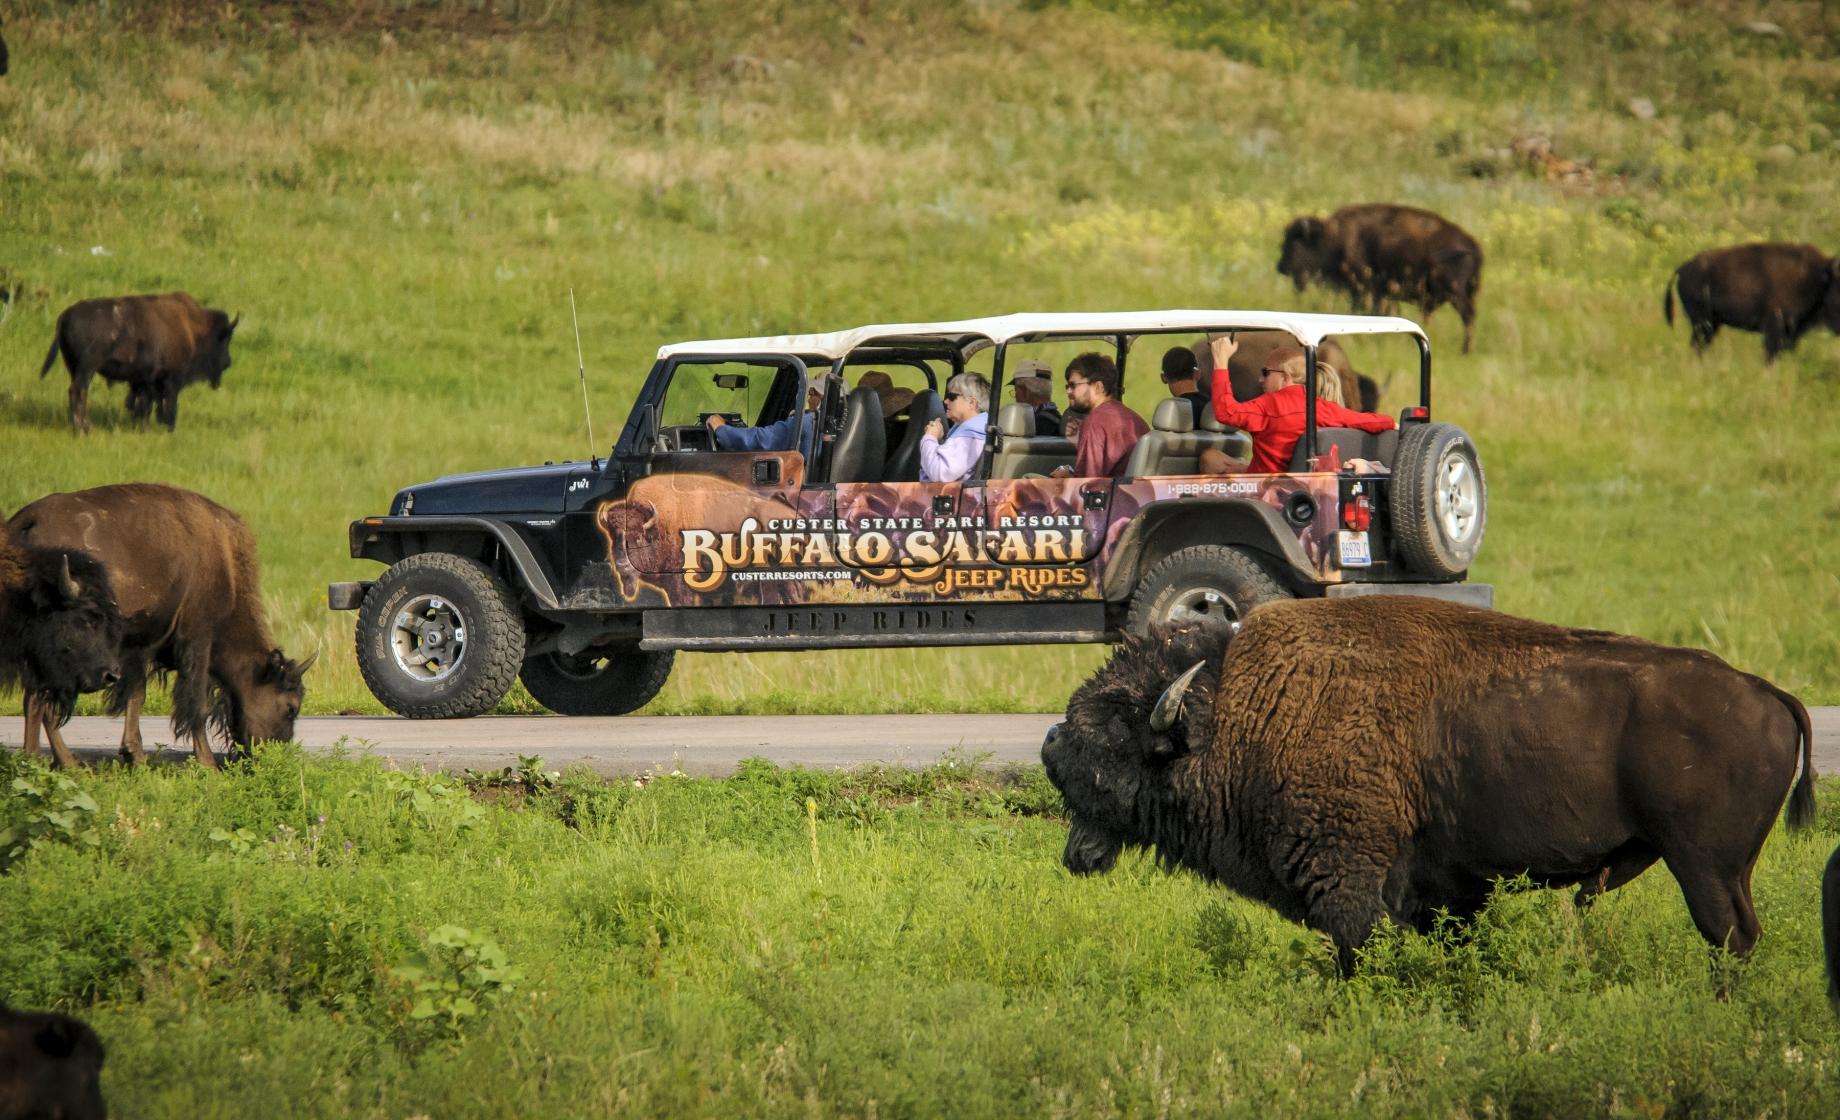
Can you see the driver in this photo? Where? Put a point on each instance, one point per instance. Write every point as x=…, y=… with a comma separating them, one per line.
x=776, y=436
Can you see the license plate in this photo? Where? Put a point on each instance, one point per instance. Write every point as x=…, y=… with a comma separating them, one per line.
x=1354, y=550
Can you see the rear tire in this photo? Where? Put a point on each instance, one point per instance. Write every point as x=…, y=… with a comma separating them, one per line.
x=1440, y=499
x=610, y=681
x=439, y=637
x=1208, y=585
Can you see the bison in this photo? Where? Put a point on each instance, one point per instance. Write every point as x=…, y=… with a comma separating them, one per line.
x=1777, y=289
x=1380, y=254
x=50, y=1066
x=157, y=344
x=184, y=571
x=1830, y=925
x=1348, y=760
x=60, y=633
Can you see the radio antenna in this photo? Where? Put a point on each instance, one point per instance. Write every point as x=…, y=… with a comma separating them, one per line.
x=581, y=368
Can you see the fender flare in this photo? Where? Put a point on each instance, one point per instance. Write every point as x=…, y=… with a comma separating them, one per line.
x=389, y=539
x=1206, y=521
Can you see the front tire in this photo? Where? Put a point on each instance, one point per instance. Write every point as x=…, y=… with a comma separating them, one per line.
x=1440, y=499
x=1207, y=585
x=597, y=682
x=439, y=637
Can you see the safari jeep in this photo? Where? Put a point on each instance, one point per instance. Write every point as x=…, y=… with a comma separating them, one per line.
x=585, y=579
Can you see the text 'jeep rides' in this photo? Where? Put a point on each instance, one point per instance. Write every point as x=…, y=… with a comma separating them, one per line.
x=585, y=579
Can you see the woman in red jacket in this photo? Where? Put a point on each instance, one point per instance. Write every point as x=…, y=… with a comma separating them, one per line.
x=1274, y=418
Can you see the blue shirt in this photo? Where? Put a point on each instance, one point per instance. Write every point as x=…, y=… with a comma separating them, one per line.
x=776, y=436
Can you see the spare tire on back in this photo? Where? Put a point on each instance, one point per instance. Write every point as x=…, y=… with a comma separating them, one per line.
x=1440, y=499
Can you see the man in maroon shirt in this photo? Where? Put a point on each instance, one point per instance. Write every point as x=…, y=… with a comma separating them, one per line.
x=1111, y=430
x=1274, y=418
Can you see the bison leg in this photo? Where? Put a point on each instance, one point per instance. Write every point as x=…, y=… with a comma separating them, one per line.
x=192, y=700
x=79, y=401
x=1719, y=901
x=131, y=727
x=41, y=714
x=169, y=408
x=1776, y=337
x=29, y=747
x=1703, y=332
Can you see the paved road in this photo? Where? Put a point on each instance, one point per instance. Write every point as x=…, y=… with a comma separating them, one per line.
x=699, y=745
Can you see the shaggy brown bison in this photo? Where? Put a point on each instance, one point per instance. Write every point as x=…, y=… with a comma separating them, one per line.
x=184, y=570
x=60, y=632
x=1776, y=289
x=1347, y=760
x=157, y=344
x=1380, y=254
x=50, y=1067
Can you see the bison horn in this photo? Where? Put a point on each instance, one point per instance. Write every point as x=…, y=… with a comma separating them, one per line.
x=68, y=585
x=302, y=667
x=1169, y=705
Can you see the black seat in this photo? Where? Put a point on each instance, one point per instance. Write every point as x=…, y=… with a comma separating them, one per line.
x=858, y=456
x=904, y=460
x=1354, y=444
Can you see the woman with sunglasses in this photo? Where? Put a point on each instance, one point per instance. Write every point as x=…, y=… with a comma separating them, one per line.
x=951, y=458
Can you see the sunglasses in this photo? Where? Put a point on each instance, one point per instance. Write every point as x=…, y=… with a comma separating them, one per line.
x=1263, y=372
x=1072, y=384
x=950, y=397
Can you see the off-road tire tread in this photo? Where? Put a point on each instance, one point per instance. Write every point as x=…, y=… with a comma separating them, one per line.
x=501, y=653
x=1233, y=561
x=649, y=670
x=1415, y=528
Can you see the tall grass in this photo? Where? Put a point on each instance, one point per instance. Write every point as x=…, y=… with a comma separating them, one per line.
x=397, y=199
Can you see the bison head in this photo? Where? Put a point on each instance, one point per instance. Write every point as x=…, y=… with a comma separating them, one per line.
x=72, y=637
x=1305, y=244
x=1147, y=708
x=52, y=1066
x=212, y=357
x=266, y=711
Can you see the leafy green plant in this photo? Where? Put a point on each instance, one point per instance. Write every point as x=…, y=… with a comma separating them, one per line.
x=46, y=808
x=236, y=841
x=456, y=978
x=436, y=800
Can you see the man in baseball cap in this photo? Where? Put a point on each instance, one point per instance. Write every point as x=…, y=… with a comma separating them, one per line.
x=1033, y=382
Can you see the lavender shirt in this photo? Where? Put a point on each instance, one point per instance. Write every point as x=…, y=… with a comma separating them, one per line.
x=952, y=460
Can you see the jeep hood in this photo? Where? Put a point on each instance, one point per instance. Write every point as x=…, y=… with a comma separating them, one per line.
x=515, y=490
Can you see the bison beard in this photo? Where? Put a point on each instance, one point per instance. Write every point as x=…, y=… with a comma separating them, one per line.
x=1345, y=761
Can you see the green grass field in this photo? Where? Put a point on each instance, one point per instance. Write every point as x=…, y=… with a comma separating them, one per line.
x=397, y=198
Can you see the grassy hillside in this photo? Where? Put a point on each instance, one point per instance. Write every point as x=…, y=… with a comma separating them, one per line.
x=397, y=198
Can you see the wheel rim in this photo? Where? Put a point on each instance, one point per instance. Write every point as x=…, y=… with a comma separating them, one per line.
x=1458, y=498
x=1201, y=606
x=428, y=638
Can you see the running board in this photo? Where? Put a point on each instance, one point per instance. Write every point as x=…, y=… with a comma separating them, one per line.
x=841, y=626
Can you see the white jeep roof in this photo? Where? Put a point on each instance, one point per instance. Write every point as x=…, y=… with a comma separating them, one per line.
x=970, y=335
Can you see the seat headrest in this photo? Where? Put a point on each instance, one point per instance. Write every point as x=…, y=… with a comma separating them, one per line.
x=1211, y=423
x=1173, y=414
x=1017, y=419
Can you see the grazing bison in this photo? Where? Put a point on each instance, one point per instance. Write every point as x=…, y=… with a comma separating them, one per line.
x=60, y=632
x=1380, y=254
x=1779, y=290
x=184, y=570
x=157, y=344
x=1347, y=760
x=50, y=1067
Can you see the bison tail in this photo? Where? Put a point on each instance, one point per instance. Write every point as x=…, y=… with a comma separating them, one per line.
x=1667, y=297
x=1801, y=800
x=56, y=340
